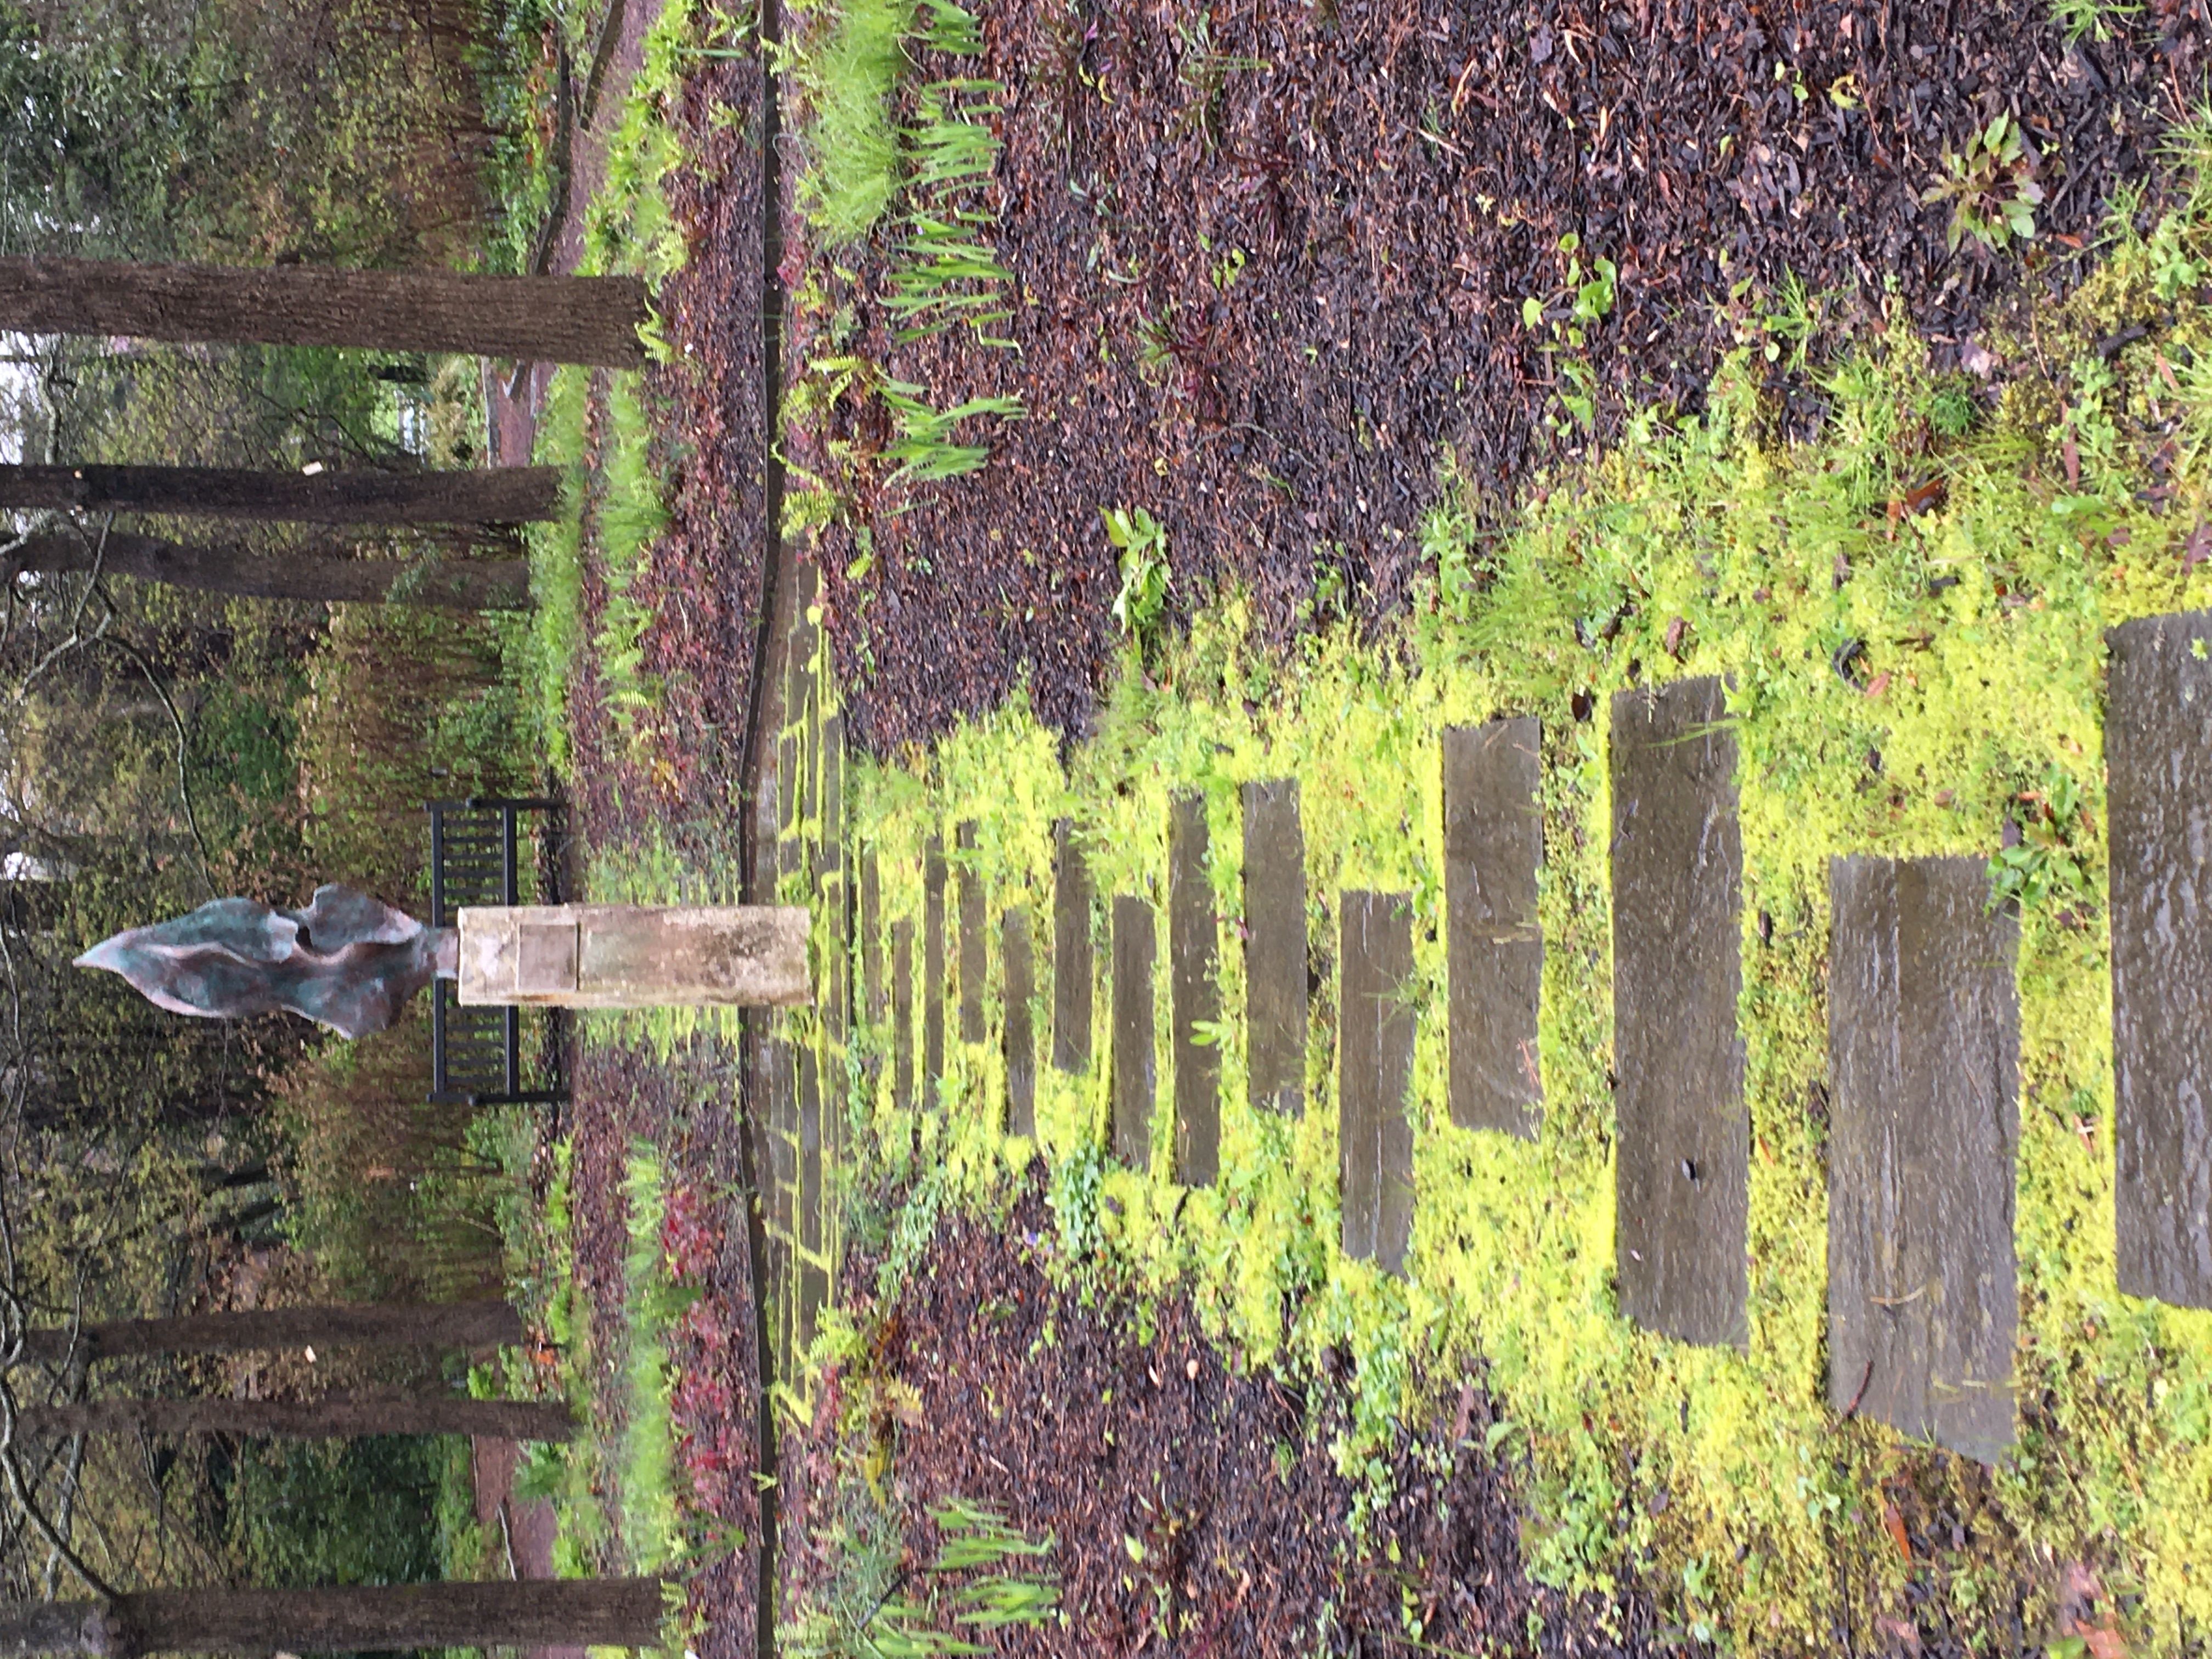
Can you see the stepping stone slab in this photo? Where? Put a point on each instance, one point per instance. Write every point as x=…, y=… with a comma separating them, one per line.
x=2157, y=761
x=1681, y=1175
x=903, y=1014
x=1194, y=997
x=1070, y=951
x=1020, y=1033
x=932, y=968
x=837, y=893
x=1375, y=1057
x=1923, y=1039
x=1134, y=1060
x=872, y=944
x=972, y=965
x=1494, y=844
x=1276, y=986
x=810, y=1149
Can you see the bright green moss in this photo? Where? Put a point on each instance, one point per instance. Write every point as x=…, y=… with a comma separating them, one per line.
x=1974, y=693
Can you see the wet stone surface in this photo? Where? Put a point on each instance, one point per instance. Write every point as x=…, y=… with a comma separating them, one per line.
x=1070, y=951
x=871, y=943
x=1194, y=997
x=1682, y=1174
x=1923, y=1038
x=1020, y=1021
x=902, y=1013
x=2158, y=759
x=1275, y=984
x=835, y=886
x=1134, y=1065
x=973, y=946
x=1493, y=845
x=932, y=968
x=1374, y=1055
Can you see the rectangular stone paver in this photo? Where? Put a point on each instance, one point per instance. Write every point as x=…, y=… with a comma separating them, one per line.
x=1681, y=1171
x=1070, y=951
x=2157, y=761
x=1134, y=1065
x=973, y=966
x=1276, y=986
x=1020, y=1021
x=1493, y=845
x=810, y=1187
x=1194, y=999
x=1374, y=1060
x=1924, y=1036
x=871, y=943
x=933, y=969
x=835, y=890
x=902, y=1013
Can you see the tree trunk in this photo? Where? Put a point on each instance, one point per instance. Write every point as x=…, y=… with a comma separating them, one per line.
x=502, y=494
x=366, y=1325
x=335, y=1419
x=622, y=1613
x=557, y=319
x=457, y=584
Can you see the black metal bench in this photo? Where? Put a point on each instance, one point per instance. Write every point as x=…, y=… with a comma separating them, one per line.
x=476, y=1056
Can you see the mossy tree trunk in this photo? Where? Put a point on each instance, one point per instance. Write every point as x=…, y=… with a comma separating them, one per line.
x=532, y=1613
x=454, y=584
x=561, y=319
x=505, y=495
x=368, y=1325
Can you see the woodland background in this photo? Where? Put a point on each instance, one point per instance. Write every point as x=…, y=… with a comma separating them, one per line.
x=160, y=746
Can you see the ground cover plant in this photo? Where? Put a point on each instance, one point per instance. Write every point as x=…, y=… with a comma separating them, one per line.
x=1909, y=605
x=1269, y=259
x=1379, y=372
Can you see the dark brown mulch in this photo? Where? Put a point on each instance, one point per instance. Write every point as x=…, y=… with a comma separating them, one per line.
x=1224, y=1479
x=1397, y=178
x=700, y=584
x=686, y=1109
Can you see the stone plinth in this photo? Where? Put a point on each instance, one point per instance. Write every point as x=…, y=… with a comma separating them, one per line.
x=626, y=955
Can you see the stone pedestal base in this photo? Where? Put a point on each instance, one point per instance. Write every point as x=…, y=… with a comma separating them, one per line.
x=628, y=956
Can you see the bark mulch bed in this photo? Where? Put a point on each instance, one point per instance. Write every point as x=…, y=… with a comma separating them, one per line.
x=687, y=1111
x=1395, y=179
x=700, y=585
x=1223, y=1478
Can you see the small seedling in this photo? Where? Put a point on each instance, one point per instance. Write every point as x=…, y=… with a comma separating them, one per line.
x=1140, y=543
x=2092, y=18
x=1990, y=186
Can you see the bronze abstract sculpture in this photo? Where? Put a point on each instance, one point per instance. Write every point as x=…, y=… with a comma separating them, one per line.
x=347, y=960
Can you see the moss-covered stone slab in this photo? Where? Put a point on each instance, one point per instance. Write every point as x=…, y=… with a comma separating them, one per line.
x=1276, y=987
x=1014, y=955
x=2158, y=763
x=932, y=968
x=1682, y=1174
x=1924, y=1042
x=1375, y=1058
x=872, y=941
x=1071, y=951
x=833, y=888
x=902, y=1013
x=1193, y=995
x=1134, y=1065
x=974, y=948
x=1494, y=949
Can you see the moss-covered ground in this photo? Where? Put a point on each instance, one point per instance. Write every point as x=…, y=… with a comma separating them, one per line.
x=1909, y=609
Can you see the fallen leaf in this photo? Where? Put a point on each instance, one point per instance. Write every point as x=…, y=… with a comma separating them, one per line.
x=1675, y=629
x=2070, y=452
x=1894, y=1523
